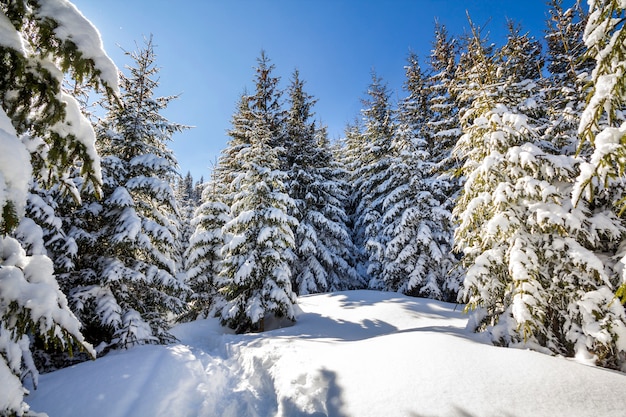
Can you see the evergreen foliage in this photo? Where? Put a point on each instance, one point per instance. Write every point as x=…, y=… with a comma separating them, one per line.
x=532, y=276
x=602, y=123
x=188, y=196
x=126, y=283
x=442, y=128
x=515, y=158
x=204, y=252
x=43, y=136
x=255, y=279
x=374, y=149
x=565, y=89
x=324, y=249
x=417, y=258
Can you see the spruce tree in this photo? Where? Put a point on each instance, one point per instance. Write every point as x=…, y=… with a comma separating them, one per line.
x=532, y=278
x=442, y=128
x=204, y=255
x=126, y=283
x=603, y=126
x=374, y=155
x=255, y=279
x=417, y=258
x=324, y=249
x=187, y=202
x=348, y=154
x=568, y=67
x=441, y=132
x=42, y=136
x=602, y=123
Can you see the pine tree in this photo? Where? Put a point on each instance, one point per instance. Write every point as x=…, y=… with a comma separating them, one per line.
x=204, y=260
x=441, y=131
x=204, y=255
x=373, y=148
x=603, y=126
x=126, y=281
x=42, y=136
x=188, y=203
x=255, y=279
x=442, y=128
x=417, y=258
x=604, y=37
x=532, y=279
x=565, y=89
x=348, y=153
x=324, y=249
x=602, y=123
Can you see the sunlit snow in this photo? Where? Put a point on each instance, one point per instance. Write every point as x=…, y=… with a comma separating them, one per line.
x=358, y=353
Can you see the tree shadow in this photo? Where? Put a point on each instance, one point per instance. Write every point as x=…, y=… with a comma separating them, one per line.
x=362, y=298
x=329, y=406
x=451, y=331
x=460, y=412
x=328, y=328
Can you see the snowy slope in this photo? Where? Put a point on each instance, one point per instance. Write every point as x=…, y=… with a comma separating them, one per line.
x=360, y=353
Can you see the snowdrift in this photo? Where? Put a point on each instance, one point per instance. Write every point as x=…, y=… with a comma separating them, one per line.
x=358, y=353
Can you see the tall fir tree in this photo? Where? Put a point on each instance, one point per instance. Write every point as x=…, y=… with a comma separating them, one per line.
x=602, y=122
x=603, y=126
x=442, y=128
x=418, y=259
x=532, y=278
x=255, y=279
x=43, y=135
x=373, y=155
x=126, y=283
x=204, y=254
x=187, y=201
x=324, y=248
x=441, y=132
x=568, y=67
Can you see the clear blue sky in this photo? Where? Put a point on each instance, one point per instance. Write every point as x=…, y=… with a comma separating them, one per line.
x=207, y=50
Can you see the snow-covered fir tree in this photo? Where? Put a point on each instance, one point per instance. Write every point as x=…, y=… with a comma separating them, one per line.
x=188, y=200
x=348, y=153
x=255, y=279
x=373, y=155
x=603, y=122
x=125, y=284
x=203, y=256
x=417, y=258
x=442, y=128
x=324, y=248
x=532, y=279
x=208, y=240
x=42, y=136
x=568, y=67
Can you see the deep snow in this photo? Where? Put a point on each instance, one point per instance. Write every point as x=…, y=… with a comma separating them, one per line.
x=358, y=353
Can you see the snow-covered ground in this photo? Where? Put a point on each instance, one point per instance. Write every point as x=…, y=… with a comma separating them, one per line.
x=358, y=353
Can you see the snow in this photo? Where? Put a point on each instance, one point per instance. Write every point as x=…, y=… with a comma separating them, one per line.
x=74, y=27
x=358, y=353
x=15, y=168
x=77, y=124
x=9, y=37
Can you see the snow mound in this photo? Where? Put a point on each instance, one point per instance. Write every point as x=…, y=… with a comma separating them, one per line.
x=358, y=353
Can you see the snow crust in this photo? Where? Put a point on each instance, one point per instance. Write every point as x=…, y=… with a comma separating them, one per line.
x=358, y=353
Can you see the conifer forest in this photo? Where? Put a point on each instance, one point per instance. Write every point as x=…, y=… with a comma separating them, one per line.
x=497, y=180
